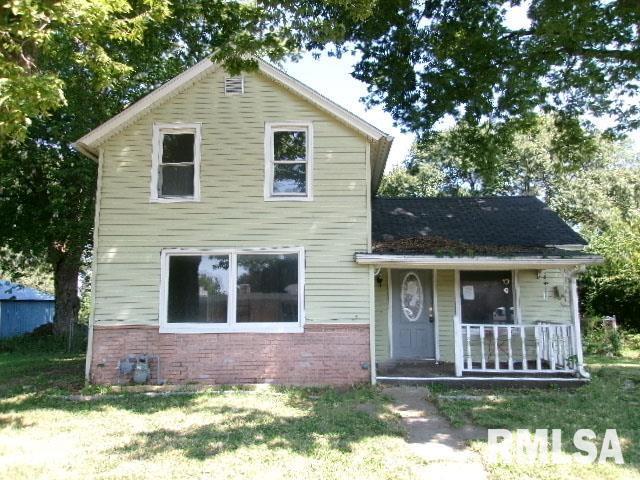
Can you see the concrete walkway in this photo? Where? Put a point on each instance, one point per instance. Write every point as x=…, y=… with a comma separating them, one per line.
x=432, y=438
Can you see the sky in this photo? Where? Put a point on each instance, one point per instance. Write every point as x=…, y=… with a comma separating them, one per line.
x=332, y=78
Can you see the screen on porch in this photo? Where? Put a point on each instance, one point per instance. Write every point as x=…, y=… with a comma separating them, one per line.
x=487, y=297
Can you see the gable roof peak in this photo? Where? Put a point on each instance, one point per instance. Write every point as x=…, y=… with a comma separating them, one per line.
x=90, y=142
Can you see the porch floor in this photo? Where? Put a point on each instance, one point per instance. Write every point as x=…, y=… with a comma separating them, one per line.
x=416, y=368
x=428, y=371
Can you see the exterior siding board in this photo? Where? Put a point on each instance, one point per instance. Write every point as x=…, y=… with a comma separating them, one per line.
x=382, y=317
x=535, y=306
x=446, y=311
x=232, y=211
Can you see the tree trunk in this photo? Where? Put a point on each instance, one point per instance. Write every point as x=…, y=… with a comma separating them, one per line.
x=66, y=290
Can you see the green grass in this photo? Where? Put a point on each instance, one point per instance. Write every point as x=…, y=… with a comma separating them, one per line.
x=277, y=432
x=611, y=400
x=226, y=433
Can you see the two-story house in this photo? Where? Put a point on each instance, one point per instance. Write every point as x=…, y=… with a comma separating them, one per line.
x=238, y=240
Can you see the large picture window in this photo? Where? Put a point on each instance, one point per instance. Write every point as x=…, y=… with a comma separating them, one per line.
x=289, y=161
x=487, y=297
x=232, y=290
x=175, y=172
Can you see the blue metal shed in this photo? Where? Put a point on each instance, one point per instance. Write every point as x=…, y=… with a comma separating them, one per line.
x=23, y=309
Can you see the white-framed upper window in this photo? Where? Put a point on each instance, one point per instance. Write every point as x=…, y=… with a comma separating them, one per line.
x=232, y=290
x=288, y=161
x=175, y=169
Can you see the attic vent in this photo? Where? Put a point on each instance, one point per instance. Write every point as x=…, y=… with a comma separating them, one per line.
x=234, y=85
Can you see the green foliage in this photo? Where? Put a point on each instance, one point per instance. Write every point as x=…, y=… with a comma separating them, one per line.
x=32, y=29
x=42, y=342
x=613, y=288
x=113, y=40
x=424, y=61
x=601, y=198
x=513, y=158
x=30, y=273
x=425, y=182
x=602, y=340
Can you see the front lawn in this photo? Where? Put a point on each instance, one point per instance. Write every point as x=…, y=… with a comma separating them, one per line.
x=226, y=433
x=611, y=400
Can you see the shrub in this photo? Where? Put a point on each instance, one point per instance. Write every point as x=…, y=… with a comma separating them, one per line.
x=602, y=340
x=632, y=341
x=43, y=340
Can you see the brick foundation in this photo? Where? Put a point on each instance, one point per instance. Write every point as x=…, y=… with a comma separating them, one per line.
x=322, y=355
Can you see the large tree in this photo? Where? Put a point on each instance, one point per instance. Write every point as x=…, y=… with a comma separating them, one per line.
x=504, y=158
x=425, y=60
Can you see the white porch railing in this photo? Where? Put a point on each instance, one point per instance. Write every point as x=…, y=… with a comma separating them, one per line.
x=540, y=348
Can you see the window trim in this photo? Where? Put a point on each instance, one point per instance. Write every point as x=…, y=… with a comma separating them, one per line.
x=159, y=130
x=269, y=129
x=231, y=326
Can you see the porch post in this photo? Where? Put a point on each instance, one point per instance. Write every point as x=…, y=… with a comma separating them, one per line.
x=372, y=324
x=457, y=327
x=575, y=315
x=457, y=341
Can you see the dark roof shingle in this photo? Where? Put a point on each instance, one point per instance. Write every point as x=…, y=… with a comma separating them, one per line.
x=486, y=221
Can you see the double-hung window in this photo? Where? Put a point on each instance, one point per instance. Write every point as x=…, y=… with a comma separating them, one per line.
x=234, y=290
x=288, y=161
x=175, y=174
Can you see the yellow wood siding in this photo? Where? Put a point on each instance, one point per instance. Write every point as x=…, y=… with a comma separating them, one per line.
x=232, y=211
x=382, y=317
x=535, y=306
x=446, y=310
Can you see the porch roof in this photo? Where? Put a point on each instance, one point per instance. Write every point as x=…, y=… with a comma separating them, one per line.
x=489, y=222
x=472, y=232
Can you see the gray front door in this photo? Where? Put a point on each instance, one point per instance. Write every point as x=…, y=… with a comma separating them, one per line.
x=412, y=322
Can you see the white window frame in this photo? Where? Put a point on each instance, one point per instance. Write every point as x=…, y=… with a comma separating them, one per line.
x=297, y=126
x=159, y=130
x=231, y=326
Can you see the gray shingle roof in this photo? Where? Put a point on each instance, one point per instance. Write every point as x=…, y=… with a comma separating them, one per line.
x=487, y=221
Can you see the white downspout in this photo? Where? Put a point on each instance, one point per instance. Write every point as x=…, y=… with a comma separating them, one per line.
x=575, y=315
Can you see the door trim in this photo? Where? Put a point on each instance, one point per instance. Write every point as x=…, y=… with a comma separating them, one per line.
x=390, y=312
x=436, y=317
x=436, y=356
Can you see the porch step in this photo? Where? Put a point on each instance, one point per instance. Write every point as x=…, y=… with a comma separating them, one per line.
x=487, y=381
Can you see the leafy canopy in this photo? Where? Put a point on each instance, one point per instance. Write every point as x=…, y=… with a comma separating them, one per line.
x=426, y=59
x=504, y=158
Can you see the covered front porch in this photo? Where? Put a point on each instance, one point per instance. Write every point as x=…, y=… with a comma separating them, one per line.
x=485, y=321
x=478, y=288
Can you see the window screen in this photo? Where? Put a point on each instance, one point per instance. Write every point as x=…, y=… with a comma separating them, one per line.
x=487, y=297
x=177, y=167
